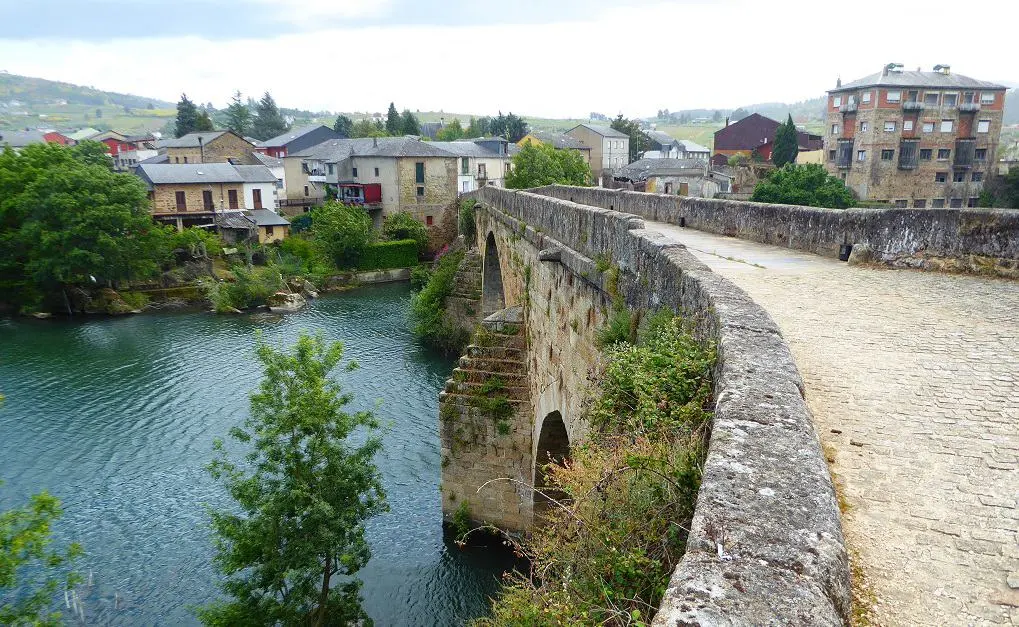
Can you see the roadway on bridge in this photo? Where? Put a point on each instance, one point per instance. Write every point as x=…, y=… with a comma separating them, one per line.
x=913, y=380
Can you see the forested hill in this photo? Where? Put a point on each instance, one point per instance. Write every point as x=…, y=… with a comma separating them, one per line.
x=31, y=91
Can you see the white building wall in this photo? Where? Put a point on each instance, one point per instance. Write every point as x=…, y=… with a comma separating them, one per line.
x=269, y=195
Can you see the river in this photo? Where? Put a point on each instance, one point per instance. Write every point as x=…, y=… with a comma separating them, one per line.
x=116, y=417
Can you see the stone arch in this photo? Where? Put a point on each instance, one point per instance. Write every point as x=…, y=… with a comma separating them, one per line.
x=553, y=447
x=493, y=295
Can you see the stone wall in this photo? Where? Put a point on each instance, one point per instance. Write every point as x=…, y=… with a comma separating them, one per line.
x=984, y=240
x=766, y=543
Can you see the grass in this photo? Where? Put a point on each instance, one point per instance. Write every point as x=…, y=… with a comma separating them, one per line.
x=73, y=116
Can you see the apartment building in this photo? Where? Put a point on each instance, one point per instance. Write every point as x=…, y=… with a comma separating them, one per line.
x=914, y=138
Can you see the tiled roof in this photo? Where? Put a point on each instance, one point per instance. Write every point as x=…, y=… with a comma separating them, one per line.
x=264, y=217
x=642, y=169
x=291, y=135
x=689, y=146
x=267, y=161
x=190, y=140
x=255, y=174
x=897, y=78
x=334, y=150
x=169, y=173
x=604, y=131
x=559, y=140
x=18, y=139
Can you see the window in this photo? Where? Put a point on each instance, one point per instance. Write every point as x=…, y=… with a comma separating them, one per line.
x=376, y=171
x=938, y=203
x=305, y=190
x=419, y=174
x=949, y=100
x=887, y=154
x=928, y=127
x=353, y=172
x=900, y=204
x=851, y=100
x=944, y=154
x=974, y=201
x=837, y=101
x=861, y=155
x=865, y=97
x=920, y=204
x=907, y=125
x=889, y=127
x=231, y=198
x=912, y=95
x=893, y=96
x=421, y=191
x=176, y=159
x=968, y=97
x=464, y=166
x=834, y=129
x=185, y=159
x=279, y=183
x=268, y=231
x=482, y=171
x=429, y=220
x=980, y=154
x=329, y=167
x=831, y=155
x=207, y=200
x=182, y=203
x=926, y=154
x=959, y=177
x=987, y=97
x=941, y=177
x=932, y=98
x=977, y=177
x=955, y=203
x=864, y=127
x=947, y=126
x=983, y=126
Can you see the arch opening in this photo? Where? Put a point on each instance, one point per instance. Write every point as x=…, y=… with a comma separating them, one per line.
x=553, y=448
x=493, y=296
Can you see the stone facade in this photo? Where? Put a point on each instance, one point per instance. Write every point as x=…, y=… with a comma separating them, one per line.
x=225, y=148
x=164, y=197
x=438, y=188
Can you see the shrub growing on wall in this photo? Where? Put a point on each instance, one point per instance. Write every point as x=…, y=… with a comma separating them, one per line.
x=385, y=255
x=402, y=226
x=428, y=307
x=808, y=185
x=343, y=231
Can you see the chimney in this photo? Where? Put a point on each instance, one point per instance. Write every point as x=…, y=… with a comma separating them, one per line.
x=375, y=142
x=201, y=148
x=944, y=69
x=838, y=82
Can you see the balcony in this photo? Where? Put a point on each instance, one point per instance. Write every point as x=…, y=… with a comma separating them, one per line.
x=316, y=178
x=965, y=149
x=909, y=154
x=844, y=156
x=849, y=107
x=913, y=106
x=969, y=107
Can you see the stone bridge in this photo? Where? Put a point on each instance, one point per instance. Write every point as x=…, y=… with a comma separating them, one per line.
x=910, y=378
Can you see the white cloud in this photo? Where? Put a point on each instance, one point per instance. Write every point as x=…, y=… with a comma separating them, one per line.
x=311, y=12
x=674, y=56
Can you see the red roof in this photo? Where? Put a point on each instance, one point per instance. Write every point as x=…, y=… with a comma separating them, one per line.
x=754, y=131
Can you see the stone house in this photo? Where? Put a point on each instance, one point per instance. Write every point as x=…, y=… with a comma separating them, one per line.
x=681, y=177
x=271, y=226
x=914, y=139
x=610, y=149
x=560, y=141
x=208, y=147
x=481, y=162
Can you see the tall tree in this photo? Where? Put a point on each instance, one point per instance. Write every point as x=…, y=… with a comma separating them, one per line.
x=304, y=494
x=344, y=126
x=515, y=128
x=808, y=185
x=542, y=164
x=478, y=127
x=238, y=115
x=786, y=145
x=409, y=124
x=204, y=123
x=268, y=121
x=393, y=122
x=450, y=132
x=639, y=141
x=29, y=564
x=187, y=116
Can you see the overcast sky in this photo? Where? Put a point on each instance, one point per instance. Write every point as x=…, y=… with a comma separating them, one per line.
x=556, y=58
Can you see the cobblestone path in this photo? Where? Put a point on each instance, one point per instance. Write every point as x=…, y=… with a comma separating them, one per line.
x=913, y=380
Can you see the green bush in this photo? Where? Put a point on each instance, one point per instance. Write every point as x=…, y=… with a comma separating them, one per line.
x=466, y=220
x=402, y=225
x=343, y=232
x=199, y=243
x=300, y=223
x=135, y=300
x=252, y=287
x=313, y=259
x=808, y=185
x=419, y=276
x=428, y=307
x=384, y=255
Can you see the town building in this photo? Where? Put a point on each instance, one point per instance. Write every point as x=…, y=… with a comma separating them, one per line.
x=610, y=149
x=681, y=177
x=271, y=226
x=385, y=174
x=20, y=139
x=53, y=137
x=754, y=136
x=259, y=185
x=915, y=139
x=296, y=140
x=275, y=166
x=665, y=146
x=84, y=133
x=483, y=161
x=208, y=147
x=559, y=141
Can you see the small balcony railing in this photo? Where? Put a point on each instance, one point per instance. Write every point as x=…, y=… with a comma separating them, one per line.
x=969, y=107
x=965, y=149
x=909, y=154
x=849, y=107
x=913, y=105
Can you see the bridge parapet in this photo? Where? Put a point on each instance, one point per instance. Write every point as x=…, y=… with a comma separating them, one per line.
x=976, y=240
x=766, y=543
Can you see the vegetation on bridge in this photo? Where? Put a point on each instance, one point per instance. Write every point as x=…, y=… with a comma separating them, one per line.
x=605, y=552
x=542, y=164
x=428, y=307
x=807, y=185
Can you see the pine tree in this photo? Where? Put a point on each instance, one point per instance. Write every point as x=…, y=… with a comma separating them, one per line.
x=409, y=124
x=238, y=115
x=204, y=123
x=786, y=145
x=187, y=116
x=344, y=126
x=393, y=123
x=268, y=121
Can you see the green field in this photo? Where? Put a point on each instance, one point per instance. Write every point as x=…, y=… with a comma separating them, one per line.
x=74, y=116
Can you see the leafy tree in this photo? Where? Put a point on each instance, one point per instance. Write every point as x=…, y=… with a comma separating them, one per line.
x=304, y=492
x=1001, y=191
x=786, y=144
x=542, y=164
x=478, y=127
x=342, y=230
x=409, y=124
x=344, y=126
x=238, y=115
x=639, y=141
x=450, y=132
x=187, y=117
x=511, y=127
x=204, y=123
x=808, y=185
x=268, y=121
x=29, y=564
x=393, y=123
x=402, y=225
x=66, y=219
x=716, y=116
x=738, y=114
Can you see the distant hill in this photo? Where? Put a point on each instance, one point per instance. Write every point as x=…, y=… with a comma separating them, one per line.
x=32, y=92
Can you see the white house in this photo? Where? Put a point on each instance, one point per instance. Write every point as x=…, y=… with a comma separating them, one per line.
x=259, y=185
x=480, y=162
